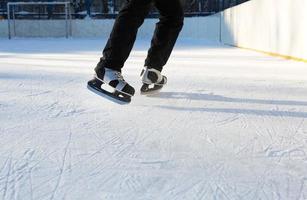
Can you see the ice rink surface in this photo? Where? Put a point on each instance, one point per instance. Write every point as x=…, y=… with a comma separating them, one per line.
x=230, y=124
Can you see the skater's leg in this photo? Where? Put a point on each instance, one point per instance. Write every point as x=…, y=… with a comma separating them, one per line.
x=166, y=33
x=123, y=35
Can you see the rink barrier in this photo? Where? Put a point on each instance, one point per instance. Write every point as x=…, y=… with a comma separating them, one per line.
x=276, y=28
x=195, y=28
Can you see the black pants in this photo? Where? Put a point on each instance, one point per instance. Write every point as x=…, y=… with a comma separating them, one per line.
x=124, y=32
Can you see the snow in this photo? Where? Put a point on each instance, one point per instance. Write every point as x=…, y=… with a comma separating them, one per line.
x=230, y=124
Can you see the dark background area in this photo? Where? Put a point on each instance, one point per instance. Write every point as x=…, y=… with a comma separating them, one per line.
x=106, y=8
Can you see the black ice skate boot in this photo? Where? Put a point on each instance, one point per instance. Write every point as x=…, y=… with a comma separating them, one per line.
x=119, y=89
x=153, y=81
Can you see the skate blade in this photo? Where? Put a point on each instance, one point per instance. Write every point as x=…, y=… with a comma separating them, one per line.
x=115, y=97
x=145, y=90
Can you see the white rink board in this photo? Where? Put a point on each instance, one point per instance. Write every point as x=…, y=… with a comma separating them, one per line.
x=195, y=27
x=275, y=26
x=3, y=28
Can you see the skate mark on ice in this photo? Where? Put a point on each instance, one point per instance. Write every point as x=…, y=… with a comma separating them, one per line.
x=6, y=184
x=3, y=180
x=30, y=180
x=74, y=111
x=202, y=191
x=179, y=190
x=17, y=176
x=219, y=193
x=51, y=107
x=298, y=152
x=239, y=111
x=55, y=110
x=158, y=162
x=62, y=167
x=220, y=98
x=39, y=94
x=298, y=128
x=15, y=181
x=29, y=154
x=303, y=184
x=227, y=120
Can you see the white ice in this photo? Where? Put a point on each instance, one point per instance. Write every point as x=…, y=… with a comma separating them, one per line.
x=230, y=124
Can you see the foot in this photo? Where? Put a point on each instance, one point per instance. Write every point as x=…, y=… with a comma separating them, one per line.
x=115, y=80
x=153, y=81
x=152, y=76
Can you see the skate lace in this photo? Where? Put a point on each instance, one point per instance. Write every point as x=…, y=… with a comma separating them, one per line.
x=119, y=76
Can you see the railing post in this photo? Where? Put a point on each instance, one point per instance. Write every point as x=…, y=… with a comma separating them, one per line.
x=66, y=19
x=70, y=20
x=9, y=20
x=14, y=21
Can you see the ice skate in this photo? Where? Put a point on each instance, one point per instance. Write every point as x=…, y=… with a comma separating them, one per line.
x=153, y=81
x=111, y=84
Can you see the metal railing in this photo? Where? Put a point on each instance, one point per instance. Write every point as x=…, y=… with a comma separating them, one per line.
x=11, y=15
